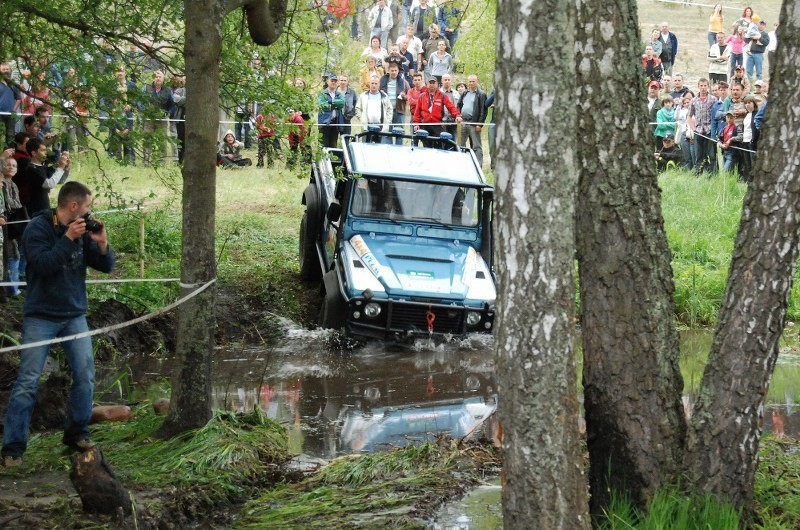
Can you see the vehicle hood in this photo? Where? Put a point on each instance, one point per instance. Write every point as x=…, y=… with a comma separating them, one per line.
x=444, y=269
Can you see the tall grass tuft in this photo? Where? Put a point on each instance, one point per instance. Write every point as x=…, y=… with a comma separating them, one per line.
x=671, y=509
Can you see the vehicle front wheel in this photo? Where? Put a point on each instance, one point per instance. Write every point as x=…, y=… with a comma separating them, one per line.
x=331, y=314
x=309, y=233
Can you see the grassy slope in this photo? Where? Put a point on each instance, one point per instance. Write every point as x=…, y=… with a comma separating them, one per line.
x=690, y=25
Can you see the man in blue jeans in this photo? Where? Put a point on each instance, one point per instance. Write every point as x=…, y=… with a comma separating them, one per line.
x=59, y=244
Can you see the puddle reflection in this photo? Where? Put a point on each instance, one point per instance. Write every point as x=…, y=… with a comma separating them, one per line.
x=336, y=403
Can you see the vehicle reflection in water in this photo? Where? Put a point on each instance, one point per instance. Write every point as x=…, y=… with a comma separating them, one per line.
x=370, y=398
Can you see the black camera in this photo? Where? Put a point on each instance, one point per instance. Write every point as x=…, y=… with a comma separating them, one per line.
x=92, y=225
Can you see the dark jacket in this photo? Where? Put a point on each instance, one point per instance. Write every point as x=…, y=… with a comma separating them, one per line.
x=480, y=110
x=668, y=53
x=39, y=180
x=759, y=45
x=669, y=154
x=350, y=100
x=328, y=106
x=403, y=86
x=161, y=100
x=56, y=271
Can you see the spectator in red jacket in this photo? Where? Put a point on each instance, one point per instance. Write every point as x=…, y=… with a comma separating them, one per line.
x=430, y=107
x=297, y=136
x=414, y=93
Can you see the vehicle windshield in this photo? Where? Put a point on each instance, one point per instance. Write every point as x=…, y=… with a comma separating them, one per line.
x=401, y=200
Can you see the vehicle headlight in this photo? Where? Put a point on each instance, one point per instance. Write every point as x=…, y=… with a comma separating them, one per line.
x=473, y=318
x=371, y=310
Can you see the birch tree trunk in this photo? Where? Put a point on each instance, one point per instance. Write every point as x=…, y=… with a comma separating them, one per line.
x=726, y=425
x=536, y=179
x=631, y=379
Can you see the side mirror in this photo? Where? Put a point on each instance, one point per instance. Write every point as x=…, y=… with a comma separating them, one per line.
x=334, y=212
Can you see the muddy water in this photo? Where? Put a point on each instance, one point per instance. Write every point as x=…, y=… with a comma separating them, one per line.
x=335, y=402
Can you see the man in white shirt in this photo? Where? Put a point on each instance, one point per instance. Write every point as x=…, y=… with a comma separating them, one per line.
x=374, y=107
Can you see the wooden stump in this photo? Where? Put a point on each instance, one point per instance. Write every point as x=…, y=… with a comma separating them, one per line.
x=98, y=488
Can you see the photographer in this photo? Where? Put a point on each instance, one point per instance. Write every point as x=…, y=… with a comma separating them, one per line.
x=58, y=244
x=39, y=178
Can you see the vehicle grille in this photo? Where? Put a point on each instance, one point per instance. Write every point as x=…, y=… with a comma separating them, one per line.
x=414, y=318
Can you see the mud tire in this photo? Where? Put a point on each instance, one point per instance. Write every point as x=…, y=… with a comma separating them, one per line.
x=331, y=314
x=309, y=234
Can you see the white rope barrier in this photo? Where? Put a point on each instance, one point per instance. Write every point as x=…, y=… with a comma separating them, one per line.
x=138, y=208
x=99, y=282
x=113, y=327
x=716, y=141
x=285, y=123
x=681, y=2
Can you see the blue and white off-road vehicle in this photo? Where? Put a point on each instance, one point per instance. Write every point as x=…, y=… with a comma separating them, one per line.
x=400, y=237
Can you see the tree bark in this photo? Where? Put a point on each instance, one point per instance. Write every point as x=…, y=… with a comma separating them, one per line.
x=190, y=406
x=536, y=179
x=631, y=378
x=726, y=425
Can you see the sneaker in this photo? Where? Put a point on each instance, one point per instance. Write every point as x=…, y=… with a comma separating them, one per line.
x=81, y=445
x=12, y=461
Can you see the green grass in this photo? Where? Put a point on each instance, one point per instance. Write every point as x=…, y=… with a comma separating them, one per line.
x=776, y=493
x=777, y=486
x=701, y=217
x=672, y=509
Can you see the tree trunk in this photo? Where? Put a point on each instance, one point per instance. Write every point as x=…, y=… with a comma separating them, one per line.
x=536, y=179
x=632, y=382
x=726, y=425
x=190, y=406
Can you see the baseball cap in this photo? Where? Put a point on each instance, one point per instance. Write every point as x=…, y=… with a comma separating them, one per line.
x=333, y=76
x=759, y=83
x=654, y=84
x=740, y=68
x=669, y=136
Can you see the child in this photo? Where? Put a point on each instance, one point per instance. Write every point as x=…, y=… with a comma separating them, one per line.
x=230, y=152
x=726, y=138
x=266, y=139
x=666, y=121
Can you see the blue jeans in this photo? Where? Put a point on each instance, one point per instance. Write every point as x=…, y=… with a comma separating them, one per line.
x=398, y=120
x=728, y=160
x=23, y=395
x=756, y=60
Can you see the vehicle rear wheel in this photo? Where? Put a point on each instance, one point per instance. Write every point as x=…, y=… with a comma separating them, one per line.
x=309, y=234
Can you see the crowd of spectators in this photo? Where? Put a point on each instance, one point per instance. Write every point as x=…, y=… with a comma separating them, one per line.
x=718, y=123
x=409, y=79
